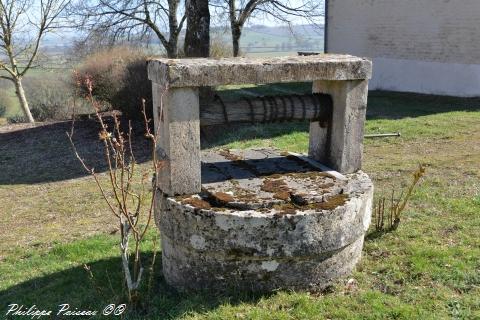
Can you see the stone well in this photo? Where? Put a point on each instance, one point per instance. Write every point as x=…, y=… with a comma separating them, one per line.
x=260, y=219
x=264, y=222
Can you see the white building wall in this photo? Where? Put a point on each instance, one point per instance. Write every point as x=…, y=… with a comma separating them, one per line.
x=426, y=46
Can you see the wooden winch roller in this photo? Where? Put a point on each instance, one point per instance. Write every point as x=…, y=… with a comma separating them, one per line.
x=268, y=109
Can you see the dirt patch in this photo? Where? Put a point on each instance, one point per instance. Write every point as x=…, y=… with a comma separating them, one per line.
x=12, y=127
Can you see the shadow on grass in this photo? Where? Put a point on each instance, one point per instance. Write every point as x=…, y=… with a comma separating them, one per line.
x=381, y=104
x=377, y=234
x=75, y=287
x=246, y=133
x=43, y=153
x=398, y=105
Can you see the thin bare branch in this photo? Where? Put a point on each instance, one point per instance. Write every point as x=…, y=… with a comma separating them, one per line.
x=132, y=18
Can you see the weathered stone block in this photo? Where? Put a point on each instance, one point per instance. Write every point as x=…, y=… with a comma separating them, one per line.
x=340, y=144
x=214, y=72
x=177, y=123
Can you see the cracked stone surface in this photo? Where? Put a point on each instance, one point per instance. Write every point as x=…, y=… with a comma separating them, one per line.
x=264, y=221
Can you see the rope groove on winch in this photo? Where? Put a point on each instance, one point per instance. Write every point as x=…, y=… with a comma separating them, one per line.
x=268, y=109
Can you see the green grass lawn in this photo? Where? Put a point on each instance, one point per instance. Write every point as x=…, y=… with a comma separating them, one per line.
x=54, y=223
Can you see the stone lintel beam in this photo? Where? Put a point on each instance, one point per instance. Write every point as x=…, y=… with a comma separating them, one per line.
x=199, y=72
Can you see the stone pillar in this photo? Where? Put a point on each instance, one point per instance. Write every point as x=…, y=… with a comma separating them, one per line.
x=340, y=144
x=177, y=123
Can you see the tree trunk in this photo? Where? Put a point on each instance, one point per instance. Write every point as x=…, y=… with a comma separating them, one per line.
x=172, y=51
x=236, y=34
x=174, y=30
x=197, y=36
x=23, y=100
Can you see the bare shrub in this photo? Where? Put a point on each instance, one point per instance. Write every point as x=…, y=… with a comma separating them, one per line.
x=6, y=102
x=388, y=219
x=126, y=193
x=17, y=119
x=120, y=78
x=219, y=48
x=135, y=86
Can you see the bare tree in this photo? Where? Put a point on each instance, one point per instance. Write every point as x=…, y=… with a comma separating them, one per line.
x=239, y=11
x=134, y=19
x=94, y=42
x=18, y=52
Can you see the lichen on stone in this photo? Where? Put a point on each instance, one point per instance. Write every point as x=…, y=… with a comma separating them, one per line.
x=197, y=203
x=274, y=186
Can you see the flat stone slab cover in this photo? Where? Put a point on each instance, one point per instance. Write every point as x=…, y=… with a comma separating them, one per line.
x=264, y=221
x=200, y=72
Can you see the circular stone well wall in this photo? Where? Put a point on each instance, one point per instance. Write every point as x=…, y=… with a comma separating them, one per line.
x=283, y=224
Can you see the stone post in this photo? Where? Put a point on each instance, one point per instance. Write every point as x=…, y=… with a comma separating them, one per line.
x=340, y=144
x=178, y=130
